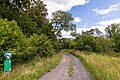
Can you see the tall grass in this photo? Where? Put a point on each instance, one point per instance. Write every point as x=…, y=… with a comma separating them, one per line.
x=101, y=67
x=34, y=69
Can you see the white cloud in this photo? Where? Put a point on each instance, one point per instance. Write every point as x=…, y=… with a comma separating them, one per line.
x=79, y=30
x=101, y=28
x=77, y=19
x=100, y=25
x=103, y=24
x=66, y=34
x=112, y=8
x=108, y=22
x=65, y=5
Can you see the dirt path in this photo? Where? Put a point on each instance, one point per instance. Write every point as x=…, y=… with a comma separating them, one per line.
x=61, y=71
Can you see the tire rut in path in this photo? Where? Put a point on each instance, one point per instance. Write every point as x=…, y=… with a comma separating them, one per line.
x=61, y=71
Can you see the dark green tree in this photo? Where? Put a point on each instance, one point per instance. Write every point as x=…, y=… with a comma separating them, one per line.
x=62, y=21
x=112, y=30
x=38, y=12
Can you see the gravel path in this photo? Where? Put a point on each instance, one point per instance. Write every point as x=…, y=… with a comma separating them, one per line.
x=61, y=71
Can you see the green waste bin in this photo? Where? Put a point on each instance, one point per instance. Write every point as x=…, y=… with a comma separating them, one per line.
x=7, y=65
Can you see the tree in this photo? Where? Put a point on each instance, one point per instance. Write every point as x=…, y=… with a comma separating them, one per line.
x=62, y=21
x=11, y=37
x=38, y=13
x=112, y=30
x=65, y=42
x=10, y=9
x=104, y=45
x=16, y=10
x=93, y=32
x=85, y=42
x=29, y=14
x=26, y=24
x=97, y=31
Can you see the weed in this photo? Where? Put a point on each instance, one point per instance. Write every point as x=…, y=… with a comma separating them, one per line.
x=71, y=70
x=34, y=69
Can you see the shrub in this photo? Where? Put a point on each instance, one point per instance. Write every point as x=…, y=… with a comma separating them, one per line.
x=73, y=45
x=57, y=45
x=41, y=45
x=11, y=37
x=104, y=45
x=86, y=43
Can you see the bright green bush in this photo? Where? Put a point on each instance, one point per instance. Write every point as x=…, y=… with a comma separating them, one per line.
x=11, y=37
x=40, y=44
x=57, y=44
x=93, y=44
x=104, y=45
x=86, y=43
x=73, y=45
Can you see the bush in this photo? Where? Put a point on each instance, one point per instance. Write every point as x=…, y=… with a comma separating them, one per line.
x=104, y=45
x=93, y=44
x=41, y=45
x=86, y=43
x=11, y=37
x=73, y=45
x=57, y=44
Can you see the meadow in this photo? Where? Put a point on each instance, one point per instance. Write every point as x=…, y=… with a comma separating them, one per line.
x=33, y=69
x=101, y=67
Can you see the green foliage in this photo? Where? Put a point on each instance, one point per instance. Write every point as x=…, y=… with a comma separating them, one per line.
x=26, y=24
x=62, y=21
x=11, y=37
x=101, y=67
x=104, y=45
x=73, y=45
x=93, y=44
x=41, y=45
x=65, y=43
x=93, y=32
x=86, y=43
x=38, y=12
x=30, y=16
x=71, y=70
x=34, y=69
x=57, y=45
x=112, y=30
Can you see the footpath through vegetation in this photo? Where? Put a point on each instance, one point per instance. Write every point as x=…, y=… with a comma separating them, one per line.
x=35, y=40
x=33, y=69
x=62, y=72
x=101, y=67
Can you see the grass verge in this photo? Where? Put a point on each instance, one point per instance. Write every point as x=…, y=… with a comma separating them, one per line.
x=101, y=67
x=34, y=69
x=71, y=70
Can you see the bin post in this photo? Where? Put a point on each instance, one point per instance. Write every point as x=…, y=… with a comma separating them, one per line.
x=7, y=62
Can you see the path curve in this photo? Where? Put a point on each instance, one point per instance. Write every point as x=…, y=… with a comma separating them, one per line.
x=61, y=71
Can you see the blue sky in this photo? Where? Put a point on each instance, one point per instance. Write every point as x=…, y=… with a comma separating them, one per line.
x=91, y=18
x=88, y=14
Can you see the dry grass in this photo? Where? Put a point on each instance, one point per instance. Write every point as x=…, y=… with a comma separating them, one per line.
x=101, y=67
x=34, y=69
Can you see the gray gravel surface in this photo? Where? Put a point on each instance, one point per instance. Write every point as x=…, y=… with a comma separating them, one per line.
x=61, y=71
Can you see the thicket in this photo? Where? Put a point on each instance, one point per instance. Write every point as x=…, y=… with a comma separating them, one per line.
x=25, y=29
x=95, y=41
x=17, y=30
x=25, y=48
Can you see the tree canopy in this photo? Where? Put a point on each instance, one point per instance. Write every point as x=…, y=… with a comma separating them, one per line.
x=62, y=21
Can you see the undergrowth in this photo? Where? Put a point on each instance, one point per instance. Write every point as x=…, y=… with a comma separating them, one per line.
x=34, y=69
